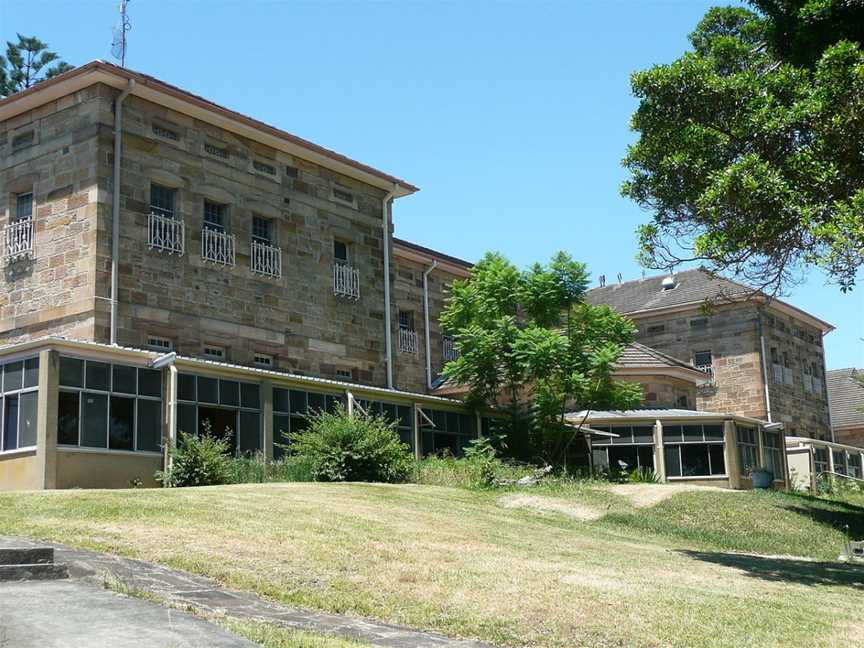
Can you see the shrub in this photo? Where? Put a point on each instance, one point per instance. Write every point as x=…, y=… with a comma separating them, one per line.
x=197, y=461
x=255, y=470
x=480, y=468
x=339, y=447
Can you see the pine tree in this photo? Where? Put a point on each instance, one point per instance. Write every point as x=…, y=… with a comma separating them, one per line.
x=26, y=63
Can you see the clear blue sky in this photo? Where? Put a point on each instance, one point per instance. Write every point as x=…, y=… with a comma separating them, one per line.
x=511, y=117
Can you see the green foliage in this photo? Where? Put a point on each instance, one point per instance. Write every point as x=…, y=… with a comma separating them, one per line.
x=197, y=461
x=529, y=342
x=28, y=62
x=643, y=476
x=474, y=473
x=749, y=151
x=339, y=447
x=255, y=470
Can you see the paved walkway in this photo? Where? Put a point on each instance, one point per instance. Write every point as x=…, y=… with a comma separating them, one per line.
x=209, y=597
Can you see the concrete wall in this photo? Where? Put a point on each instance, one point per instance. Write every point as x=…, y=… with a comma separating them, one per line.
x=53, y=292
x=21, y=471
x=82, y=469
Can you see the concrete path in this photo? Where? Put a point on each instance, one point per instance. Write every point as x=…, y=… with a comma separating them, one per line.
x=208, y=597
x=79, y=614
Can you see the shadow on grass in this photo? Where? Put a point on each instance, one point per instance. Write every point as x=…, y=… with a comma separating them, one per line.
x=843, y=516
x=803, y=572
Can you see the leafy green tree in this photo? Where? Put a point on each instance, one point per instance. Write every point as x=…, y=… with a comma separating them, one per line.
x=28, y=62
x=751, y=146
x=529, y=343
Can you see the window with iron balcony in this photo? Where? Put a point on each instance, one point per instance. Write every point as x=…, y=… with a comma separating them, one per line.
x=448, y=345
x=407, y=333
x=166, y=231
x=19, y=233
x=265, y=257
x=217, y=245
x=704, y=361
x=346, y=278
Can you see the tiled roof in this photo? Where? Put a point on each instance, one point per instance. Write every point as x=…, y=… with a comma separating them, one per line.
x=845, y=396
x=691, y=286
x=653, y=413
x=639, y=355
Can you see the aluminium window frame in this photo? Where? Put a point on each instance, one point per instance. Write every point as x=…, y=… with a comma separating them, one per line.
x=704, y=441
x=16, y=393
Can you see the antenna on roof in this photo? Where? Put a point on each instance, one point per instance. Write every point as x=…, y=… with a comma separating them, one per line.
x=602, y=279
x=620, y=278
x=118, y=45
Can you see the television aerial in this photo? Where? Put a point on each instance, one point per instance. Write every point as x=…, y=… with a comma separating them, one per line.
x=118, y=44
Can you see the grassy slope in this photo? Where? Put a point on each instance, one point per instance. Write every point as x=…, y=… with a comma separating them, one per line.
x=459, y=562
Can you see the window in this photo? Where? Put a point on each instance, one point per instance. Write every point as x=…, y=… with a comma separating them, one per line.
x=407, y=334
x=702, y=358
x=448, y=347
x=291, y=409
x=748, y=449
x=343, y=195
x=344, y=373
x=216, y=151
x=406, y=320
x=632, y=449
x=292, y=172
x=18, y=404
x=340, y=252
x=215, y=216
x=110, y=407
x=263, y=359
x=162, y=200
x=214, y=352
x=166, y=133
x=854, y=463
x=23, y=207
x=694, y=450
x=772, y=449
x=23, y=140
x=699, y=323
x=159, y=343
x=656, y=328
x=839, y=457
x=820, y=460
x=262, y=230
x=263, y=167
x=451, y=434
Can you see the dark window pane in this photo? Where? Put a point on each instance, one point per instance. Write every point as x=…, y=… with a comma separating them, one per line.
x=13, y=376
x=281, y=402
x=71, y=372
x=439, y=418
x=229, y=392
x=222, y=424
x=390, y=411
x=124, y=379
x=317, y=402
x=281, y=430
x=622, y=458
x=713, y=432
x=31, y=372
x=693, y=433
x=27, y=420
x=452, y=424
x=624, y=432
x=332, y=402
x=407, y=437
x=250, y=432
x=250, y=395
x=694, y=460
x=671, y=455
x=67, y=418
x=447, y=444
x=646, y=457
x=10, y=423
x=97, y=375
x=122, y=423
x=208, y=390
x=186, y=387
x=94, y=420
x=186, y=420
x=718, y=459
x=405, y=416
x=643, y=434
x=672, y=433
x=298, y=402
x=150, y=425
x=468, y=425
x=150, y=382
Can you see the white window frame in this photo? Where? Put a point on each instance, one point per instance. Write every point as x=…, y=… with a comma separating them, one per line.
x=265, y=360
x=160, y=343
x=215, y=352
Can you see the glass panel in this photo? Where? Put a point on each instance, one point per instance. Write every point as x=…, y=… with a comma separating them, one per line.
x=186, y=387
x=601, y=459
x=250, y=432
x=150, y=382
x=718, y=459
x=281, y=402
x=643, y=434
x=121, y=423
x=67, y=418
x=404, y=416
x=298, y=402
x=452, y=424
x=208, y=390
x=694, y=460
x=646, y=457
x=31, y=372
x=439, y=418
x=150, y=425
x=713, y=432
x=13, y=376
x=124, y=379
x=186, y=420
x=281, y=430
x=250, y=395
x=624, y=432
x=672, y=456
x=317, y=402
x=229, y=392
x=693, y=433
x=94, y=420
x=332, y=402
x=623, y=458
x=27, y=420
x=672, y=433
x=97, y=376
x=468, y=425
x=390, y=411
x=71, y=372
x=10, y=423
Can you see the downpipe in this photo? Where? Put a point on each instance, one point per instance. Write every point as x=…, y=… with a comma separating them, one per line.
x=115, y=205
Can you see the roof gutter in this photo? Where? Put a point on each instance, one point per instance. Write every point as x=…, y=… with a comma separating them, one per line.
x=426, y=323
x=764, y=360
x=115, y=206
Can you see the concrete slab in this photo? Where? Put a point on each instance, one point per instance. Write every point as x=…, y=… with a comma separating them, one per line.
x=78, y=614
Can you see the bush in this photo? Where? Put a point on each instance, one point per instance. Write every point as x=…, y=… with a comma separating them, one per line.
x=480, y=468
x=197, y=461
x=255, y=470
x=339, y=447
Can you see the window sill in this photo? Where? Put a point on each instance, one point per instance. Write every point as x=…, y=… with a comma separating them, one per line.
x=7, y=454
x=85, y=450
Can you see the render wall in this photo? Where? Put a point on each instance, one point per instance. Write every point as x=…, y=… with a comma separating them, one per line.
x=53, y=291
x=296, y=318
x=850, y=436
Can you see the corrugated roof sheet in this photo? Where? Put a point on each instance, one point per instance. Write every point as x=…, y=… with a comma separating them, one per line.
x=845, y=396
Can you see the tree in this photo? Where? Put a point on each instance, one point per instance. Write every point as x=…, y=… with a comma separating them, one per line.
x=28, y=62
x=529, y=343
x=751, y=147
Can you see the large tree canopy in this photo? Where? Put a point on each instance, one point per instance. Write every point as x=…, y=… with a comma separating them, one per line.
x=529, y=341
x=28, y=62
x=751, y=147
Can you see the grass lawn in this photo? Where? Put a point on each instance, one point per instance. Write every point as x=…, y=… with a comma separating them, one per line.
x=576, y=566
